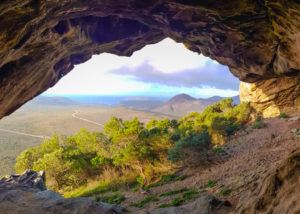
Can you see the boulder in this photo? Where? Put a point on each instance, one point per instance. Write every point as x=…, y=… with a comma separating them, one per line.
x=21, y=194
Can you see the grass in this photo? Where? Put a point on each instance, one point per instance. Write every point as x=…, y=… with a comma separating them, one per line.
x=174, y=192
x=145, y=201
x=186, y=196
x=211, y=183
x=218, y=150
x=258, y=123
x=116, y=198
x=87, y=192
x=191, y=194
x=167, y=179
x=177, y=202
x=225, y=192
x=283, y=115
x=98, y=187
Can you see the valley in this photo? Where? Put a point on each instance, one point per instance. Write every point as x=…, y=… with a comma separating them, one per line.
x=39, y=119
x=44, y=116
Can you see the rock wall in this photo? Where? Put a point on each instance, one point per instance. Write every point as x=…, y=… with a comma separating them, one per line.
x=26, y=193
x=41, y=40
x=278, y=193
x=273, y=96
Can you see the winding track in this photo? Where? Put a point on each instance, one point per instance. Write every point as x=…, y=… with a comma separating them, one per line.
x=25, y=134
x=86, y=120
x=74, y=115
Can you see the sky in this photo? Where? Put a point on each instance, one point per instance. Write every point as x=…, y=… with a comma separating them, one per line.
x=163, y=69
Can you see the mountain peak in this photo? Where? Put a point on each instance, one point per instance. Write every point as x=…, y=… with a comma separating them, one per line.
x=181, y=98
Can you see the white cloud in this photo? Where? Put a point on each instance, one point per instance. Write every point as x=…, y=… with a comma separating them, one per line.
x=97, y=75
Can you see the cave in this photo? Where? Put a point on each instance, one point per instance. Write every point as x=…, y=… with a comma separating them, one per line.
x=41, y=41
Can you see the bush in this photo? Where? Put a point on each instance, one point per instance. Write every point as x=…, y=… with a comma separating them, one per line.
x=116, y=198
x=198, y=142
x=187, y=196
x=129, y=151
x=258, y=123
x=283, y=115
x=211, y=183
x=145, y=201
x=225, y=192
x=224, y=126
x=167, y=179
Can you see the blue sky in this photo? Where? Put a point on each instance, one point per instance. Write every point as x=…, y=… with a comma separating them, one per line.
x=163, y=69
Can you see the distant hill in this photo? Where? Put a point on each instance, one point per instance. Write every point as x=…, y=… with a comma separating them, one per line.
x=183, y=104
x=145, y=105
x=180, y=98
x=52, y=101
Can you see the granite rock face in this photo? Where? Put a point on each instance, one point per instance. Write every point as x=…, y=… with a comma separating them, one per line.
x=41, y=41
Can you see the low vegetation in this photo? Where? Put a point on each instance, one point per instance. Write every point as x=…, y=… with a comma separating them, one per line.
x=211, y=183
x=283, y=115
x=116, y=198
x=130, y=154
x=166, y=179
x=224, y=192
x=145, y=201
x=258, y=123
x=185, y=197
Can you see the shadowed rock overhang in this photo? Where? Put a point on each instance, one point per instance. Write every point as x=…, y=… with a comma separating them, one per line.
x=41, y=41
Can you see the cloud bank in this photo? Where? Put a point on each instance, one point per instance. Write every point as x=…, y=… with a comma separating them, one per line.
x=212, y=74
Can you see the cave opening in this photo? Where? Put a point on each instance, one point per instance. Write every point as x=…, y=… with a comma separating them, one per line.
x=141, y=85
x=163, y=69
x=128, y=116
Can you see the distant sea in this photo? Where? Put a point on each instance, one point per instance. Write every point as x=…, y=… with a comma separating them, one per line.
x=110, y=100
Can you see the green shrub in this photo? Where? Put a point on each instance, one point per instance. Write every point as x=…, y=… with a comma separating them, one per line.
x=137, y=153
x=258, y=123
x=177, y=202
x=198, y=142
x=224, y=126
x=211, y=183
x=283, y=115
x=116, y=198
x=145, y=201
x=140, y=181
x=187, y=196
x=167, y=179
x=225, y=192
x=218, y=150
x=191, y=194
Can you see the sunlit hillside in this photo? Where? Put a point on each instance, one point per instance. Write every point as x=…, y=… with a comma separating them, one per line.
x=44, y=117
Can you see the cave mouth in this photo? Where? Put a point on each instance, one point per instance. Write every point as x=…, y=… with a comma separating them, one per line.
x=163, y=69
x=42, y=41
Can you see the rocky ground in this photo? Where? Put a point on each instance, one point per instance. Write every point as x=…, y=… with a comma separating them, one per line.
x=257, y=171
x=248, y=163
